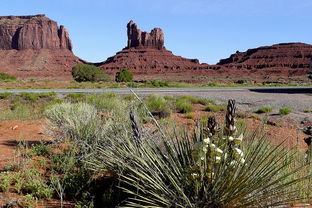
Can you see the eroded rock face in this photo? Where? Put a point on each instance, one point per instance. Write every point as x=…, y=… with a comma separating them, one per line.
x=139, y=39
x=35, y=46
x=32, y=32
x=279, y=56
x=146, y=53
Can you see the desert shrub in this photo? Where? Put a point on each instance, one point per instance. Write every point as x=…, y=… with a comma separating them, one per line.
x=195, y=100
x=46, y=95
x=158, y=106
x=91, y=73
x=264, y=110
x=41, y=149
x=6, y=77
x=215, y=107
x=28, y=201
x=133, y=84
x=158, y=83
x=5, y=181
x=284, y=111
x=77, y=121
x=184, y=105
x=308, y=110
x=124, y=75
x=75, y=97
x=29, y=96
x=5, y=95
x=189, y=115
x=19, y=111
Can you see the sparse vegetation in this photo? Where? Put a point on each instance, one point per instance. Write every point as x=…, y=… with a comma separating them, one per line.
x=6, y=77
x=284, y=111
x=88, y=73
x=184, y=105
x=158, y=106
x=99, y=154
x=215, y=107
x=264, y=110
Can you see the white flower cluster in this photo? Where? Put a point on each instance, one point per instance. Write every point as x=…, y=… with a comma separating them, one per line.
x=206, y=153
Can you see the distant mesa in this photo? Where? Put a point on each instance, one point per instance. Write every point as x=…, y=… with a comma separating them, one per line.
x=34, y=46
x=146, y=53
x=278, y=56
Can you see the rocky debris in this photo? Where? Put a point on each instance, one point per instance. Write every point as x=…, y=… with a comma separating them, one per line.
x=139, y=39
x=32, y=32
x=35, y=46
x=294, y=56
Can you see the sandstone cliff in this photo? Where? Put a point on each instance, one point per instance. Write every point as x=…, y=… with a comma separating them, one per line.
x=34, y=46
x=279, y=56
x=32, y=32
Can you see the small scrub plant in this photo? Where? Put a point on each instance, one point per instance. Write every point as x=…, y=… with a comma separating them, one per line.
x=184, y=106
x=29, y=96
x=158, y=106
x=215, y=107
x=6, y=181
x=75, y=97
x=284, y=111
x=6, y=77
x=28, y=201
x=124, y=75
x=88, y=73
x=5, y=95
x=308, y=110
x=158, y=83
x=264, y=110
x=189, y=115
x=40, y=149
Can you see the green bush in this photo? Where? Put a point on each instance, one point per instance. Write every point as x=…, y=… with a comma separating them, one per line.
x=5, y=95
x=29, y=96
x=158, y=106
x=75, y=97
x=284, y=111
x=91, y=73
x=184, y=106
x=6, y=77
x=264, y=110
x=40, y=149
x=124, y=75
x=215, y=107
x=158, y=83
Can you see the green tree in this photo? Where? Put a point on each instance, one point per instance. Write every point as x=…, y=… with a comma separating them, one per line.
x=124, y=75
x=91, y=73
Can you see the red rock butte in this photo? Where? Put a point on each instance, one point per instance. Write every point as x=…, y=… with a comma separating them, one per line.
x=34, y=46
x=145, y=53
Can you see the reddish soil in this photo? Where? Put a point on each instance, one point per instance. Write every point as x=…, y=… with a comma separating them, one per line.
x=13, y=132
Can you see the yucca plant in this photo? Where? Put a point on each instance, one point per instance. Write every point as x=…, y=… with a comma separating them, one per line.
x=199, y=172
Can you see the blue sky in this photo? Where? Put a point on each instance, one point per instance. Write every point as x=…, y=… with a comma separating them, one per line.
x=205, y=29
